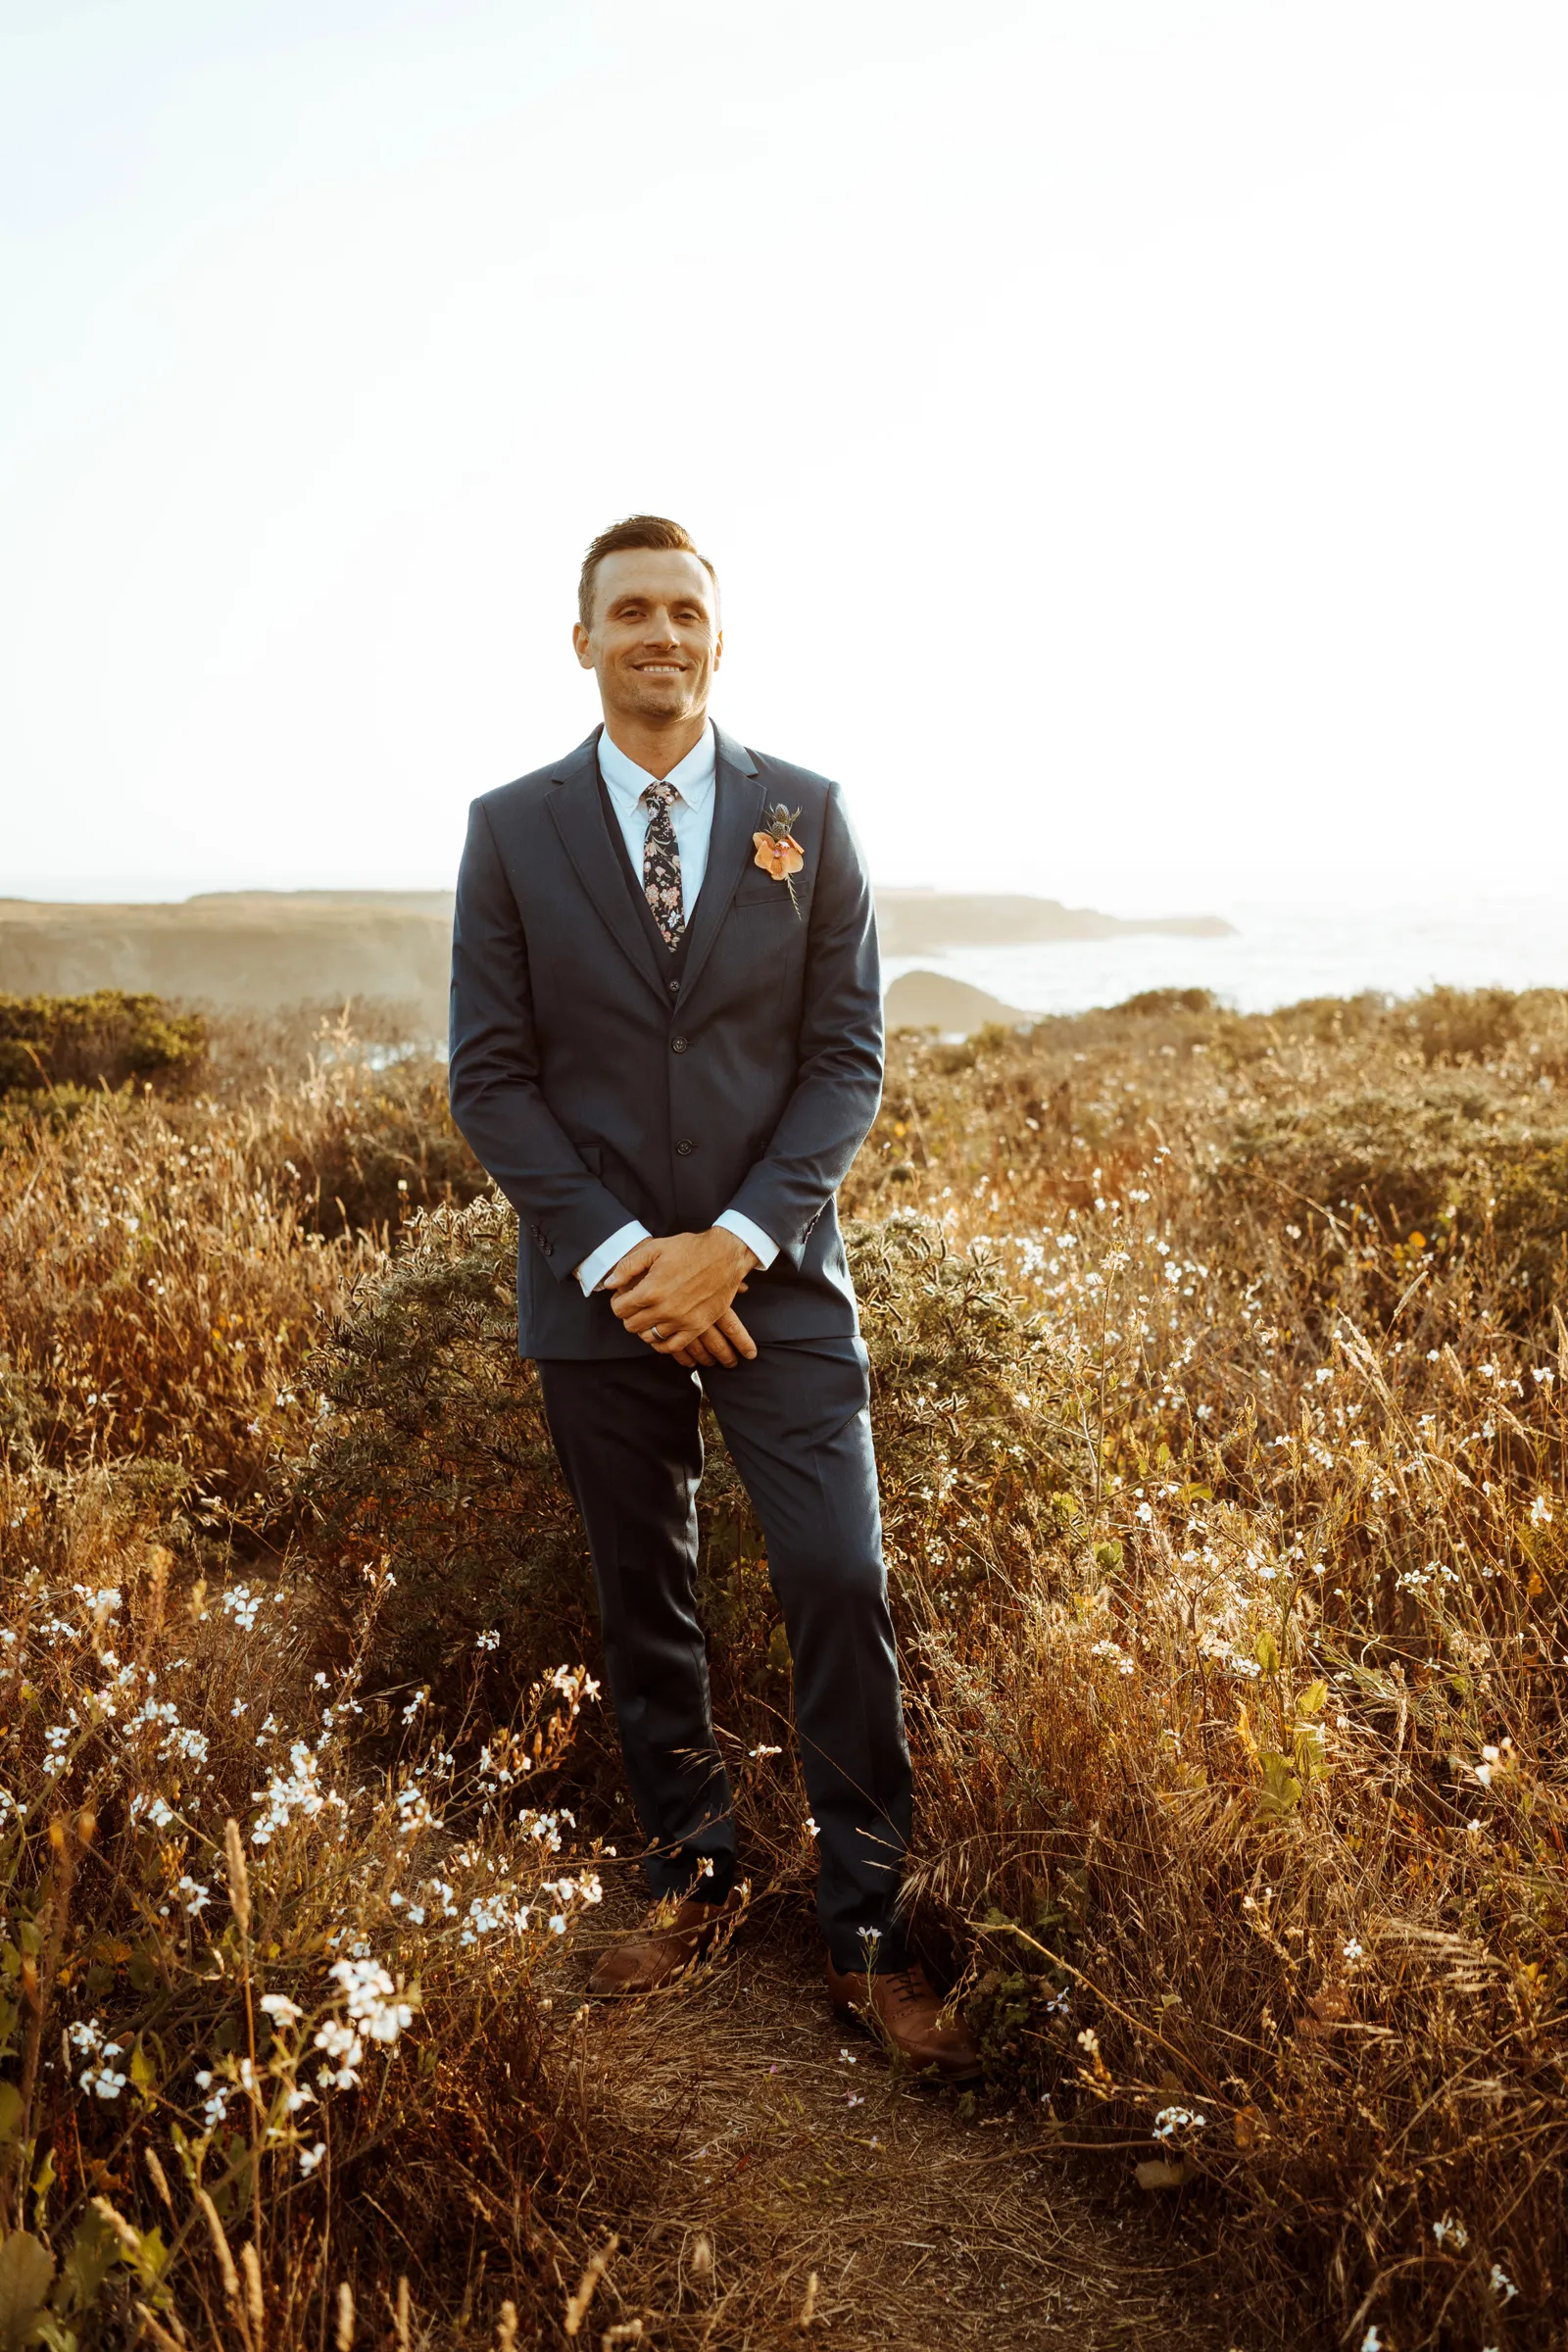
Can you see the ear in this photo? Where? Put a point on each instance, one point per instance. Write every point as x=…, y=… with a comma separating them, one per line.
x=718, y=648
x=581, y=642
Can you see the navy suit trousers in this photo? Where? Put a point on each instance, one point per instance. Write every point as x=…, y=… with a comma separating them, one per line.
x=797, y=1423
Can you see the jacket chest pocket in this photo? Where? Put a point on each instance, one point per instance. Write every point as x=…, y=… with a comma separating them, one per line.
x=770, y=899
x=759, y=959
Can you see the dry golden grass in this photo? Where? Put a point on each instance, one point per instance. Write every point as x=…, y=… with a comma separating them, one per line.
x=1219, y=1376
x=774, y=2147
x=206, y=2131
x=1255, y=1774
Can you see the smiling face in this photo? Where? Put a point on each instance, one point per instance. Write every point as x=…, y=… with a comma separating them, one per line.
x=654, y=642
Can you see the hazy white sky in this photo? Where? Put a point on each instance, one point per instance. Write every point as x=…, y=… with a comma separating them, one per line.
x=1131, y=432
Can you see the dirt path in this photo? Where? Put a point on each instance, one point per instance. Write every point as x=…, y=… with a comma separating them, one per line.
x=775, y=2145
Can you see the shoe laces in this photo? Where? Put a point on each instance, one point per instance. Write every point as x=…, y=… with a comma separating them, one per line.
x=905, y=1985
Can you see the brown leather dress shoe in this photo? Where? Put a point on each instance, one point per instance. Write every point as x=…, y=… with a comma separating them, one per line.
x=672, y=1939
x=903, y=2008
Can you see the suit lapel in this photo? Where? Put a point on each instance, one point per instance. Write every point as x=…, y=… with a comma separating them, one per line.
x=579, y=819
x=737, y=815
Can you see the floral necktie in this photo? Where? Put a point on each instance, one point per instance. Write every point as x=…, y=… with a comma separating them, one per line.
x=661, y=865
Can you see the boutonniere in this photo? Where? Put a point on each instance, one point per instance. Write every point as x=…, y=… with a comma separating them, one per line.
x=778, y=853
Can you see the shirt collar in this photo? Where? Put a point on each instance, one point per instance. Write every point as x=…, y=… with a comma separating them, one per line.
x=692, y=776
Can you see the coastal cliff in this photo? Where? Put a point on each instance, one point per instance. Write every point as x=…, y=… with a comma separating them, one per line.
x=254, y=951
x=921, y=922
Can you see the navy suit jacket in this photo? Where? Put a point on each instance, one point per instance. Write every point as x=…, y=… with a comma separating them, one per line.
x=592, y=1094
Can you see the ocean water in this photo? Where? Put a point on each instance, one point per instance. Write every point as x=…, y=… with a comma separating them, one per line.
x=1277, y=956
x=1277, y=959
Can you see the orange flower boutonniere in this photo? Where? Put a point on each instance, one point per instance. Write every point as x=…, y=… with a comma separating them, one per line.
x=778, y=853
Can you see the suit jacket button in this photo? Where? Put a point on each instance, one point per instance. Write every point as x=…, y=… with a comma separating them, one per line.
x=677, y=1044
x=685, y=1147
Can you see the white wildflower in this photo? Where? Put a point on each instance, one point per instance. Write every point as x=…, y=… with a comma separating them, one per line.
x=104, y=2079
x=1171, y=2119
x=414, y=1810
x=299, y=1793
x=346, y=2051
x=370, y=1999
x=216, y=2105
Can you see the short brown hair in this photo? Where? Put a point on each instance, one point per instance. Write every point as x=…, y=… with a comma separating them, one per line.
x=638, y=530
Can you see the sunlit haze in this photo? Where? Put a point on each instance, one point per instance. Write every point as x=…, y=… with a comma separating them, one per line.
x=1130, y=436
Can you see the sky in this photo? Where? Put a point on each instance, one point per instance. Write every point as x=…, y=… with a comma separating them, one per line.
x=1129, y=432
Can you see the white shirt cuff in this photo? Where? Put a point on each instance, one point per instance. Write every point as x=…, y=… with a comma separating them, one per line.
x=591, y=1273
x=757, y=1242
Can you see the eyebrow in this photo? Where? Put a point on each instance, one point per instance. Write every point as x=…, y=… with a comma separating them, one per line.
x=638, y=595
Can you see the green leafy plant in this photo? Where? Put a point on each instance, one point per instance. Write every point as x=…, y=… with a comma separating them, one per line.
x=106, y=1039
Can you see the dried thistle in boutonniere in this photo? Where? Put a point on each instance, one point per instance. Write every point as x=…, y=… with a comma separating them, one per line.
x=778, y=853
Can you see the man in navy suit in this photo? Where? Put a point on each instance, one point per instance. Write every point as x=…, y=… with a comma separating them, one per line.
x=666, y=1049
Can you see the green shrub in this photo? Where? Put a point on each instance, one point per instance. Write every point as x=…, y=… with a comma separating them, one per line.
x=1150, y=1004
x=1464, y=1024
x=1332, y=1019
x=1403, y=1157
x=432, y=1449
x=1439, y=1159
x=1530, y=1214
x=107, y=1039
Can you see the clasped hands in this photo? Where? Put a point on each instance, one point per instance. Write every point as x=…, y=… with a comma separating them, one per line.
x=675, y=1295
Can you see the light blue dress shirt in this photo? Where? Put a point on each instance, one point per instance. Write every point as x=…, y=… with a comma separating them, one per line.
x=692, y=815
